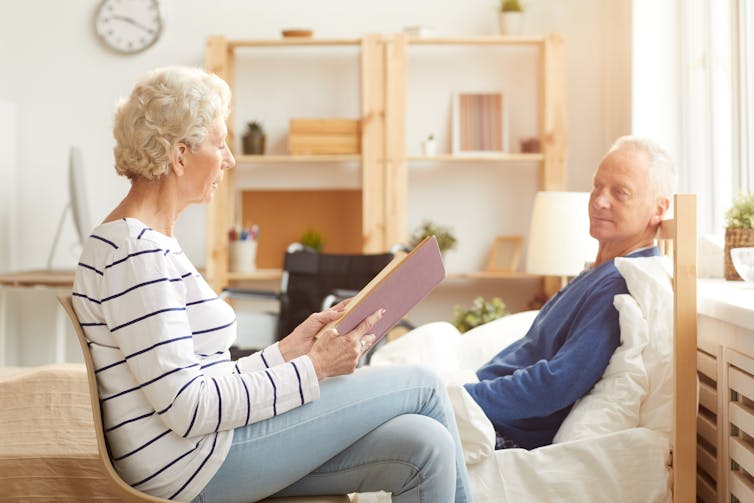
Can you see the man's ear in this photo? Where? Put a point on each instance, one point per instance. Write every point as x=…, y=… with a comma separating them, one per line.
x=663, y=204
x=178, y=158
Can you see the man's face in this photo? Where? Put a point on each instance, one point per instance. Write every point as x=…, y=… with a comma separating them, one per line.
x=623, y=203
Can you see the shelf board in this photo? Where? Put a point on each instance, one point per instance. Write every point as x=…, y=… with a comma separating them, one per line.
x=503, y=157
x=478, y=40
x=292, y=42
x=285, y=158
x=493, y=275
x=437, y=40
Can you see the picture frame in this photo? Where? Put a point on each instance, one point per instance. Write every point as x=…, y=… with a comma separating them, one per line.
x=505, y=255
x=480, y=125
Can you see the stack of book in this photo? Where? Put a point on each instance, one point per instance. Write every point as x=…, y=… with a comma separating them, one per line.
x=324, y=136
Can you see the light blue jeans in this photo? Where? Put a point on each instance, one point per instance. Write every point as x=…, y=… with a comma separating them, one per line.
x=381, y=428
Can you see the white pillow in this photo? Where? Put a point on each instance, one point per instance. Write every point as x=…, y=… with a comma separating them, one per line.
x=432, y=345
x=614, y=402
x=636, y=388
x=477, y=346
x=649, y=282
x=441, y=346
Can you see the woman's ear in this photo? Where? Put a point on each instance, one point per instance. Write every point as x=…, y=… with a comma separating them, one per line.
x=178, y=158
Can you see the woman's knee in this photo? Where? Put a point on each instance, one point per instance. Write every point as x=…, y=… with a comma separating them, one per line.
x=420, y=440
x=413, y=374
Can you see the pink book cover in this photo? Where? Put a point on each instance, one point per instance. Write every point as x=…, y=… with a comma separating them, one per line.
x=402, y=284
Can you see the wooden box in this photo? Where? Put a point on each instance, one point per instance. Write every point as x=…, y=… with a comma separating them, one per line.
x=324, y=136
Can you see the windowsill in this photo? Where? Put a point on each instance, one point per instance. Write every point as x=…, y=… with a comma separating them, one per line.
x=730, y=301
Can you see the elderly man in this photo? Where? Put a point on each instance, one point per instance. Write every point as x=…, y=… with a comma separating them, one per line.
x=528, y=388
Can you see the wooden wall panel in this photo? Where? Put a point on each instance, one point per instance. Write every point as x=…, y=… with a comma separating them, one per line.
x=336, y=213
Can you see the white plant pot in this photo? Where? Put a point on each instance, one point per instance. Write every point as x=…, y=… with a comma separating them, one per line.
x=511, y=23
x=429, y=147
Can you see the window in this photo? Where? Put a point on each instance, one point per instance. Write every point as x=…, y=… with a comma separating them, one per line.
x=694, y=92
x=744, y=91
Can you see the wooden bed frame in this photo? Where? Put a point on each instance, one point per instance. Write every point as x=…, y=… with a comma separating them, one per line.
x=678, y=240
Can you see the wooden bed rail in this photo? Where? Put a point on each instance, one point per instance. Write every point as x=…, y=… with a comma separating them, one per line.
x=680, y=236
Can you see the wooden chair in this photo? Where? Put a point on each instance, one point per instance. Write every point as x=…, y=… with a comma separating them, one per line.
x=124, y=491
x=678, y=238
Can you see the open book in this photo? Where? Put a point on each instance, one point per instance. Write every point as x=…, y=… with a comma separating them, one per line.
x=402, y=284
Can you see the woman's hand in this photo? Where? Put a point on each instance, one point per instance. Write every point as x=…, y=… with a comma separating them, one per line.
x=300, y=341
x=334, y=354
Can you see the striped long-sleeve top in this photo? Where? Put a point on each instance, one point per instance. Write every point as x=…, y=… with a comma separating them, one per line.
x=159, y=338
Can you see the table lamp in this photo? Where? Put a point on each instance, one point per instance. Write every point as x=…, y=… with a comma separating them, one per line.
x=559, y=240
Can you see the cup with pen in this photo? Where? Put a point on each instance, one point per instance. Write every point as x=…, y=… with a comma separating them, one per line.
x=242, y=243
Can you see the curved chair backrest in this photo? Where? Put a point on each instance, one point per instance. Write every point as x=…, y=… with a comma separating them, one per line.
x=124, y=491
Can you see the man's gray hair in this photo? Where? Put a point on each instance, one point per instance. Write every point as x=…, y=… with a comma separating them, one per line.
x=661, y=166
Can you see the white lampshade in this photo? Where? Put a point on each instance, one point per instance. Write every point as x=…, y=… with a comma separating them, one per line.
x=559, y=240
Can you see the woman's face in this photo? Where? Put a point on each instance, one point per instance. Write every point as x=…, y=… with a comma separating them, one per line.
x=204, y=164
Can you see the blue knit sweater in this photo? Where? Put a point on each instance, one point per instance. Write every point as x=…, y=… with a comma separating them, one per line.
x=528, y=388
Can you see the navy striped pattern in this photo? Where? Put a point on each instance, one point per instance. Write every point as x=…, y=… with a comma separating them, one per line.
x=159, y=338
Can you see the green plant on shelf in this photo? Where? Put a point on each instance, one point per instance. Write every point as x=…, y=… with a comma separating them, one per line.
x=446, y=240
x=479, y=313
x=313, y=239
x=510, y=6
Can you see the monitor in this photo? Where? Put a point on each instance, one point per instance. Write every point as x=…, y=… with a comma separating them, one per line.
x=78, y=203
x=77, y=194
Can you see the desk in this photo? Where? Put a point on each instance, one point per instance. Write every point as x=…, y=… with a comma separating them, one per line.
x=60, y=280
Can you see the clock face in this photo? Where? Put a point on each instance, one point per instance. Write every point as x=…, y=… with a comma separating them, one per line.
x=129, y=26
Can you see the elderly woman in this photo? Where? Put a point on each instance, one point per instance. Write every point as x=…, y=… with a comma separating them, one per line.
x=185, y=422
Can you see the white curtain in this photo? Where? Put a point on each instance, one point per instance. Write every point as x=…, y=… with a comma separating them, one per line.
x=693, y=78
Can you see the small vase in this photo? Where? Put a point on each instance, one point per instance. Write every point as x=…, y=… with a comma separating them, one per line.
x=511, y=23
x=429, y=147
x=253, y=143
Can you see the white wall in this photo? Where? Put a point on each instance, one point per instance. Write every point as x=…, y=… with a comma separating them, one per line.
x=64, y=85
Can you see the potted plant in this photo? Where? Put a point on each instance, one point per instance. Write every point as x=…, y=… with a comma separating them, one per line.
x=254, y=139
x=739, y=230
x=479, y=313
x=445, y=239
x=313, y=239
x=429, y=145
x=511, y=17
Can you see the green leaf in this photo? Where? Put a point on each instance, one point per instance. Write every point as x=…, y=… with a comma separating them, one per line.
x=479, y=313
x=741, y=214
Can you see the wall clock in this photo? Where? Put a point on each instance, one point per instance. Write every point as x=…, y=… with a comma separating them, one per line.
x=128, y=26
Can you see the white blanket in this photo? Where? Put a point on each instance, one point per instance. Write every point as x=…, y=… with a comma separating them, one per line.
x=614, y=445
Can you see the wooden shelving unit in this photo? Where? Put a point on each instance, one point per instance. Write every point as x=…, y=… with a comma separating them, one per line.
x=383, y=162
x=552, y=110
x=221, y=59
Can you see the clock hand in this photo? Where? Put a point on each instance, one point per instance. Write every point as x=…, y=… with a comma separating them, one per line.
x=132, y=21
